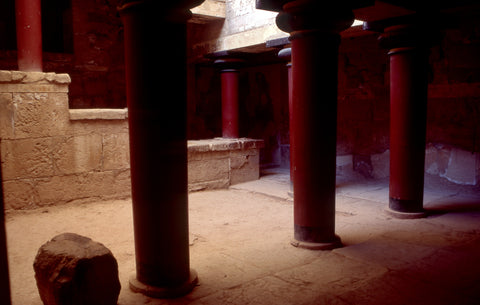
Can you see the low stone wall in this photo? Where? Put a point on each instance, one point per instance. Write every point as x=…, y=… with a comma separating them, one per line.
x=219, y=163
x=52, y=154
x=451, y=163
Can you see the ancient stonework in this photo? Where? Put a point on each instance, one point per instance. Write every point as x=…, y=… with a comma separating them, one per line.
x=74, y=270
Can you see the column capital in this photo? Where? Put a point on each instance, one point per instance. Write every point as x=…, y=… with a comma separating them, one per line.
x=410, y=31
x=311, y=15
x=228, y=60
x=285, y=53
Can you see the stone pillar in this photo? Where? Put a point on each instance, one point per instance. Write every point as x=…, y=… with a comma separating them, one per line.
x=286, y=54
x=230, y=78
x=29, y=35
x=314, y=35
x=408, y=55
x=156, y=97
x=4, y=279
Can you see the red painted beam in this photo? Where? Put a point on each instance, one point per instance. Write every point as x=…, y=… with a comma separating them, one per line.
x=29, y=35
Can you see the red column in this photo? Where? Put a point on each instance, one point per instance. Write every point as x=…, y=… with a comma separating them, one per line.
x=4, y=279
x=408, y=57
x=230, y=78
x=156, y=97
x=314, y=34
x=29, y=34
x=286, y=54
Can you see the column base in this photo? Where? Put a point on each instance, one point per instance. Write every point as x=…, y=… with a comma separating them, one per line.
x=405, y=215
x=405, y=209
x=336, y=243
x=166, y=292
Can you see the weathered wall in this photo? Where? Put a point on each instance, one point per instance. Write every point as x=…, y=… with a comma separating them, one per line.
x=51, y=154
x=48, y=158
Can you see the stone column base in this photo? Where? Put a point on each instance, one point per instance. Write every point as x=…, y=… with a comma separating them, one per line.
x=166, y=292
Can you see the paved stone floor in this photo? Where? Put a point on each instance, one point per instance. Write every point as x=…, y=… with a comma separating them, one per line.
x=241, y=251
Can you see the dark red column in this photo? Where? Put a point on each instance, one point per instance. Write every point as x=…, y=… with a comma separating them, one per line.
x=29, y=34
x=314, y=35
x=408, y=56
x=230, y=78
x=286, y=54
x=4, y=279
x=156, y=97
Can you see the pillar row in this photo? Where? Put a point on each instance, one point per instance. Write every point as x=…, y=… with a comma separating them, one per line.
x=156, y=97
x=315, y=39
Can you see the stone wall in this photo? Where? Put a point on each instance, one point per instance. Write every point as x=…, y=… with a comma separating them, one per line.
x=52, y=155
x=219, y=163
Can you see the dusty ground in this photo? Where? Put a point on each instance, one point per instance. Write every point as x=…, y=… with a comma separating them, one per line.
x=242, y=254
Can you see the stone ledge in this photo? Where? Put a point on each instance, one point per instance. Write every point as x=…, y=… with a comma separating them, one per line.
x=223, y=144
x=22, y=77
x=98, y=114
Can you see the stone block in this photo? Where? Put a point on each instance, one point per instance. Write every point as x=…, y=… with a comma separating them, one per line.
x=74, y=270
x=40, y=114
x=208, y=170
x=462, y=167
x=7, y=112
x=77, y=154
x=20, y=194
x=116, y=152
x=244, y=166
x=26, y=158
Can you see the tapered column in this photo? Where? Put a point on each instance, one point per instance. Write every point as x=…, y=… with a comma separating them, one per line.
x=156, y=97
x=29, y=34
x=408, y=56
x=230, y=80
x=286, y=54
x=314, y=35
x=4, y=278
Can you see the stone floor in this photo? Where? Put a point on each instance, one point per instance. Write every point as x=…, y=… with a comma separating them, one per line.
x=241, y=251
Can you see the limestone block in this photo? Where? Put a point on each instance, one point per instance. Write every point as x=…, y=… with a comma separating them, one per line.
x=208, y=169
x=20, y=194
x=77, y=154
x=6, y=116
x=98, y=114
x=462, y=167
x=244, y=166
x=27, y=158
x=436, y=159
x=74, y=270
x=40, y=114
x=116, y=152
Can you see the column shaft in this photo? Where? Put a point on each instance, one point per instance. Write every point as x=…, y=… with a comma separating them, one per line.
x=156, y=97
x=230, y=97
x=408, y=107
x=314, y=35
x=314, y=122
x=408, y=44
x=29, y=35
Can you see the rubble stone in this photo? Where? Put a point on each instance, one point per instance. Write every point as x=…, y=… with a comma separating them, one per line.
x=72, y=269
